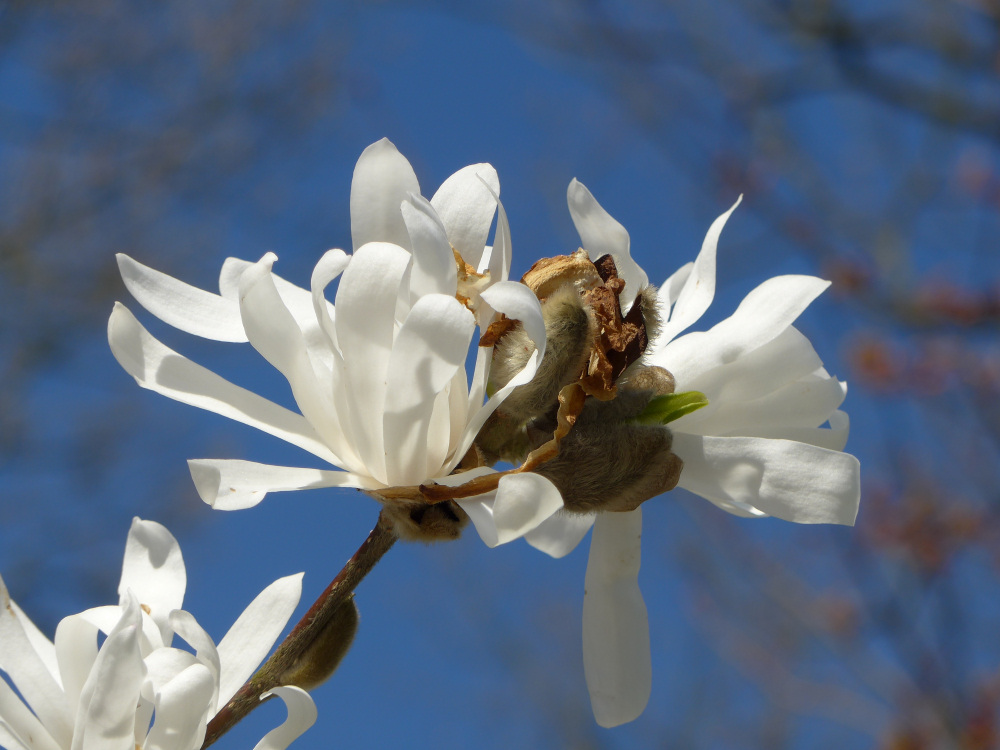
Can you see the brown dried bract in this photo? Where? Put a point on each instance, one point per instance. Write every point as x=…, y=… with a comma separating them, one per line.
x=549, y=274
x=497, y=330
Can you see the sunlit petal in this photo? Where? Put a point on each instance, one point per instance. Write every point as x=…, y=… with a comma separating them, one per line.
x=301, y=715
x=383, y=178
x=466, y=208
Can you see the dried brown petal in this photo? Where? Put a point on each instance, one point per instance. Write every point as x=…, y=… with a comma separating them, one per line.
x=549, y=274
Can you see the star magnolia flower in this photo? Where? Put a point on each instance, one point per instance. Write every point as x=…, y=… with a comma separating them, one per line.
x=76, y=695
x=758, y=448
x=379, y=378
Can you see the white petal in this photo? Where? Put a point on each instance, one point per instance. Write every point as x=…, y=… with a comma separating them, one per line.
x=430, y=348
x=19, y=728
x=106, y=713
x=600, y=235
x=520, y=504
x=366, y=303
x=301, y=716
x=762, y=315
x=160, y=369
x=434, y=270
x=466, y=208
x=154, y=570
x=670, y=290
x=382, y=180
x=30, y=675
x=699, y=287
x=250, y=638
x=194, y=634
x=559, y=534
x=518, y=302
x=330, y=266
x=42, y=646
x=793, y=481
x=231, y=484
x=182, y=710
x=496, y=260
x=181, y=305
x=616, y=655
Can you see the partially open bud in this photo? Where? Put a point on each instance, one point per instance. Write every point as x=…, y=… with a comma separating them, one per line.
x=322, y=657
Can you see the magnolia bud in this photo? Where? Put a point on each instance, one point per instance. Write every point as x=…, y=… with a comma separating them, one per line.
x=322, y=657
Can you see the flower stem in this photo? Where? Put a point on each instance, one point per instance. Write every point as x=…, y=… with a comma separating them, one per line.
x=306, y=632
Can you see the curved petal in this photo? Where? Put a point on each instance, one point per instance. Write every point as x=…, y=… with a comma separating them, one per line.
x=182, y=710
x=329, y=267
x=466, y=208
x=520, y=504
x=181, y=305
x=9, y=739
x=105, y=717
x=616, y=655
x=600, y=234
x=232, y=484
x=559, y=534
x=301, y=716
x=518, y=302
x=160, y=369
x=154, y=571
x=23, y=729
x=699, y=287
x=28, y=672
x=496, y=260
x=250, y=638
x=39, y=642
x=366, y=304
x=431, y=346
x=670, y=289
x=382, y=180
x=762, y=315
x=205, y=651
x=434, y=270
x=792, y=481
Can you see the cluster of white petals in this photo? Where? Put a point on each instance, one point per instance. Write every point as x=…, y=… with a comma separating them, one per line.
x=760, y=448
x=135, y=690
x=378, y=377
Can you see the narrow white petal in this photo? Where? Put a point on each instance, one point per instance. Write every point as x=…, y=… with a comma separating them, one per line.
x=497, y=259
x=30, y=675
x=23, y=729
x=434, y=270
x=382, y=180
x=699, y=288
x=106, y=713
x=250, y=638
x=616, y=655
x=600, y=234
x=559, y=534
x=520, y=504
x=466, y=208
x=670, y=289
x=181, y=305
x=366, y=303
x=40, y=643
x=160, y=369
x=182, y=710
x=330, y=266
x=206, y=652
x=231, y=484
x=763, y=314
x=518, y=302
x=430, y=348
x=792, y=481
x=301, y=716
x=154, y=570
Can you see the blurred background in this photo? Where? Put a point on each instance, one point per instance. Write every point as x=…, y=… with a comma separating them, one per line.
x=865, y=137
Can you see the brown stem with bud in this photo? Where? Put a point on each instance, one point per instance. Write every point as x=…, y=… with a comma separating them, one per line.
x=310, y=631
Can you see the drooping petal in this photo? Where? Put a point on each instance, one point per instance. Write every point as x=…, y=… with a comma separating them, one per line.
x=23, y=729
x=366, y=302
x=600, y=234
x=434, y=270
x=154, y=570
x=430, y=348
x=246, y=644
x=782, y=478
x=182, y=710
x=560, y=533
x=382, y=180
x=329, y=267
x=466, y=208
x=520, y=504
x=233, y=484
x=160, y=369
x=762, y=315
x=28, y=672
x=699, y=287
x=105, y=717
x=301, y=715
x=616, y=654
x=181, y=305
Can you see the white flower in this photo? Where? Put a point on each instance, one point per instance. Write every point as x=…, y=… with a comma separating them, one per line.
x=759, y=448
x=76, y=695
x=379, y=378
